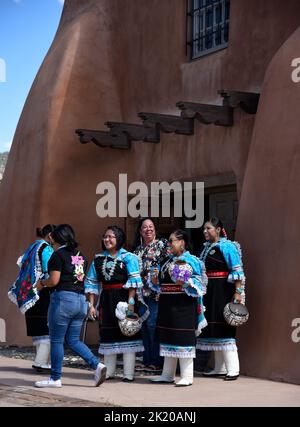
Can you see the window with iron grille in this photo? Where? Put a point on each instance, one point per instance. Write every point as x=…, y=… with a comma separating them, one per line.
x=208, y=26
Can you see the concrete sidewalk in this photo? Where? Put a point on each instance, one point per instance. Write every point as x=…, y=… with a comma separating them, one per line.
x=17, y=376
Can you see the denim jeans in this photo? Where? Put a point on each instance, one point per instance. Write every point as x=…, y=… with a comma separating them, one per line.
x=66, y=313
x=151, y=354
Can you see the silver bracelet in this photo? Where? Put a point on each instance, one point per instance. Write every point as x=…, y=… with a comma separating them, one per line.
x=131, y=301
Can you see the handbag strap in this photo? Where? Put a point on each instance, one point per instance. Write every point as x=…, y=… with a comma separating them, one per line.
x=141, y=300
x=145, y=315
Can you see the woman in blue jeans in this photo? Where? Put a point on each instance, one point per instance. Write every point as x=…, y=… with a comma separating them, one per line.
x=150, y=253
x=68, y=306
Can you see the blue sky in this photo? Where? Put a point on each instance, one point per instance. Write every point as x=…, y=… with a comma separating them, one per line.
x=27, y=29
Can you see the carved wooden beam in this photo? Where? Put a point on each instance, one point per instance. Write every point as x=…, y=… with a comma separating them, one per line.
x=103, y=139
x=248, y=101
x=135, y=132
x=206, y=113
x=167, y=123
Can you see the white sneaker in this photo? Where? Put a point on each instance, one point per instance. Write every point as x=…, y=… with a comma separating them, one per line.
x=48, y=383
x=100, y=374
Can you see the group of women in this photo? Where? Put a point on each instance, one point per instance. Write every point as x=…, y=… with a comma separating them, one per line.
x=179, y=296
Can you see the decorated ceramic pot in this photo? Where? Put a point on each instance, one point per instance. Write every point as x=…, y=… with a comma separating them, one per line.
x=130, y=325
x=180, y=271
x=236, y=314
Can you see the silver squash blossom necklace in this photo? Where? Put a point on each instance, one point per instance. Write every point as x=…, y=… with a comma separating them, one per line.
x=111, y=269
x=206, y=250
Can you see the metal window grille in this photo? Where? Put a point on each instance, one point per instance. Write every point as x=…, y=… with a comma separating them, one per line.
x=208, y=26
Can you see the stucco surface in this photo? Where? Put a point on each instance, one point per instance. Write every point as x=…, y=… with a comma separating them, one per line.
x=269, y=211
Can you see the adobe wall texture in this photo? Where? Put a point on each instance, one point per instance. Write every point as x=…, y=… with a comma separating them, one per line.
x=112, y=59
x=269, y=212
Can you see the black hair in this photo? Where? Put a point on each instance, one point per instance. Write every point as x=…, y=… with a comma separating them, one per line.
x=64, y=235
x=137, y=238
x=183, y=235
x=120, y=236
x=216, y=222
x=42, y=232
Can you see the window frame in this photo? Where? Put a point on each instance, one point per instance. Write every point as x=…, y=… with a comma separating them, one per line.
x=194, y=37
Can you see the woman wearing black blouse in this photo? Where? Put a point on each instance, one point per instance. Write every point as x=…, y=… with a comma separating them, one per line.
x=68, y=305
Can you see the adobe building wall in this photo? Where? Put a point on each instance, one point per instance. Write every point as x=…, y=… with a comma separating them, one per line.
x=110, y=60
x=269, y=211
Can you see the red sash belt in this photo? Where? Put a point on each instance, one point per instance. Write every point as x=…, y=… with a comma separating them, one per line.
x=107, y=287
x=171, y=288
x=216, y=274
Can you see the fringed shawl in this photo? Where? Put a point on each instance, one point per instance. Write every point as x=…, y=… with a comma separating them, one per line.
x=22, y=292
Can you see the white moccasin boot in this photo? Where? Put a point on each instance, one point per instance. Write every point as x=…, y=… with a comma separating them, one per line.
x=128, y=366
x=232, y=364
x=219, y=369
x=168, y=373
x=42, y=356
x=110, y=361
x=186, y=372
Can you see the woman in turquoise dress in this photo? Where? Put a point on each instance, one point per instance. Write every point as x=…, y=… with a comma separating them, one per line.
x=181, y=283
x=226, y=283
x=114, y=278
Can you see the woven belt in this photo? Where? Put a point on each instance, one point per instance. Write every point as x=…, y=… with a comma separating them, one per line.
x=106, y=287
x=216, y=274
x=171, y=288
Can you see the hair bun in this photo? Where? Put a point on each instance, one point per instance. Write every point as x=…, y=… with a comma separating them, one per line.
x=39, y=232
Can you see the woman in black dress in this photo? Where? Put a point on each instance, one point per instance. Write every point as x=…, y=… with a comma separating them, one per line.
x=181, y=284
x=226, y=283
x=34, y=265
x=114, y=275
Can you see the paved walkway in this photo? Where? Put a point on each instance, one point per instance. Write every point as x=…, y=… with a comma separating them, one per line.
x=17, y=378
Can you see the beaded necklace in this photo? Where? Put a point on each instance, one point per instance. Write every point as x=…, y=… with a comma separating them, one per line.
x=207, y=249
x=165, y=267
x=111, y=269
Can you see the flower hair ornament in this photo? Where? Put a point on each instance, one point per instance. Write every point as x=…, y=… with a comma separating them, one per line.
x=224, y=233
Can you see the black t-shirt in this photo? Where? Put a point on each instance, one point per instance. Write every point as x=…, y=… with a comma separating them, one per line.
x=73, y=265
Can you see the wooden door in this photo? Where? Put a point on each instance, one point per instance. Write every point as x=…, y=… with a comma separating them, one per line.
x=225, y=207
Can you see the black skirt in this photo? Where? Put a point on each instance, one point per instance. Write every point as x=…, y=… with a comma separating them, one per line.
x=108, y=322
x=177, y=319
x=219, y=293
x=36, y=316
